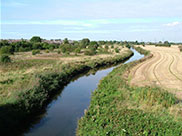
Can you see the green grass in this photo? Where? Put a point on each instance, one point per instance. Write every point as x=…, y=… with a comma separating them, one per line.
x=119, y=109
x=18, y=65
x=141, y=50
x=23, y=104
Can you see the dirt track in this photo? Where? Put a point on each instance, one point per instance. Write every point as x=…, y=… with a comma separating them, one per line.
x=163, y=69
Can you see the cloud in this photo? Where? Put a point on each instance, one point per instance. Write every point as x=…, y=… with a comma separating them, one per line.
x=173, y=24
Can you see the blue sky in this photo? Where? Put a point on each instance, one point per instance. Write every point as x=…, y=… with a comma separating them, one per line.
x=142, y=20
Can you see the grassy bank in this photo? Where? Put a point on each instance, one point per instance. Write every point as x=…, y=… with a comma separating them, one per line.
x=119, y=109
x=19, y=108
x=141, y=50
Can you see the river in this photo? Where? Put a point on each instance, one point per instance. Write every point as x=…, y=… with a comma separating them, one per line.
x=63, y=113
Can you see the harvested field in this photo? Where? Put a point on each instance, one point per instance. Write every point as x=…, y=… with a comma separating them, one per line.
x=164, y=69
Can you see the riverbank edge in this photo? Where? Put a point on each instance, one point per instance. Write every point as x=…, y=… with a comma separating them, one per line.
x=14, y=117
x=93, y=124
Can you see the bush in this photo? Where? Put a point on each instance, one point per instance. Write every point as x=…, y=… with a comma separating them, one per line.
x=77, y=50
x=90, y=52
x=51, y=48
x=180, y=48
x=116, y=50
x=58, y=51
x=46, y=51
x=5, y=59
x=106, y=47
x=6, y=50
x=128, y=46
x=34, y=52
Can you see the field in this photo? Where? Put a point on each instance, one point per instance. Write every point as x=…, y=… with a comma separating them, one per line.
x=21, y=73
x=28, y=83
x=117, y=108
x=164, y=69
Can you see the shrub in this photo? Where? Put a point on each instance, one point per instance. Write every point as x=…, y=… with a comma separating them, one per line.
x=34, y=52
x=46, y=51
x=6, y=50
x=128, y=46
x=58, y=51
x=90, y=52
x=107, y=47
x=51, y=48
x=77, y=50
x=116, y=50
x=103, y=51
x=180, y=48
x=5, y=58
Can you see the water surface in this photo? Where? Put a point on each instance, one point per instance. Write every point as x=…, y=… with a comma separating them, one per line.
x=63, y=113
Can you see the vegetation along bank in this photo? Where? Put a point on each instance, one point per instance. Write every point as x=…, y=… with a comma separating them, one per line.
x=117, y=108
x=40, y=86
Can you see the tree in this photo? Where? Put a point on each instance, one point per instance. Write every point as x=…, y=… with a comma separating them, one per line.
x=166, y=43
x=4, y=43
x=36, y=39
x=65, y=41
x=102, y=42
x=128, y=46
x=37, y=46
x=84, y=42
x=136, y=42
x=93, y=44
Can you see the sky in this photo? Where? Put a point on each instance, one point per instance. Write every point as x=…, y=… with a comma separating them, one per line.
x=142, y=20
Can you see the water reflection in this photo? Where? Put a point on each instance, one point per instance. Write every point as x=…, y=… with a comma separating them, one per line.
x=62, y=113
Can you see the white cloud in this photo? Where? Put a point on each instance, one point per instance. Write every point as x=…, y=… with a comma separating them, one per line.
x=173, y=24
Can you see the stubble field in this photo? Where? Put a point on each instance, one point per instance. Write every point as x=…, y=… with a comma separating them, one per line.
x=164, y=69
